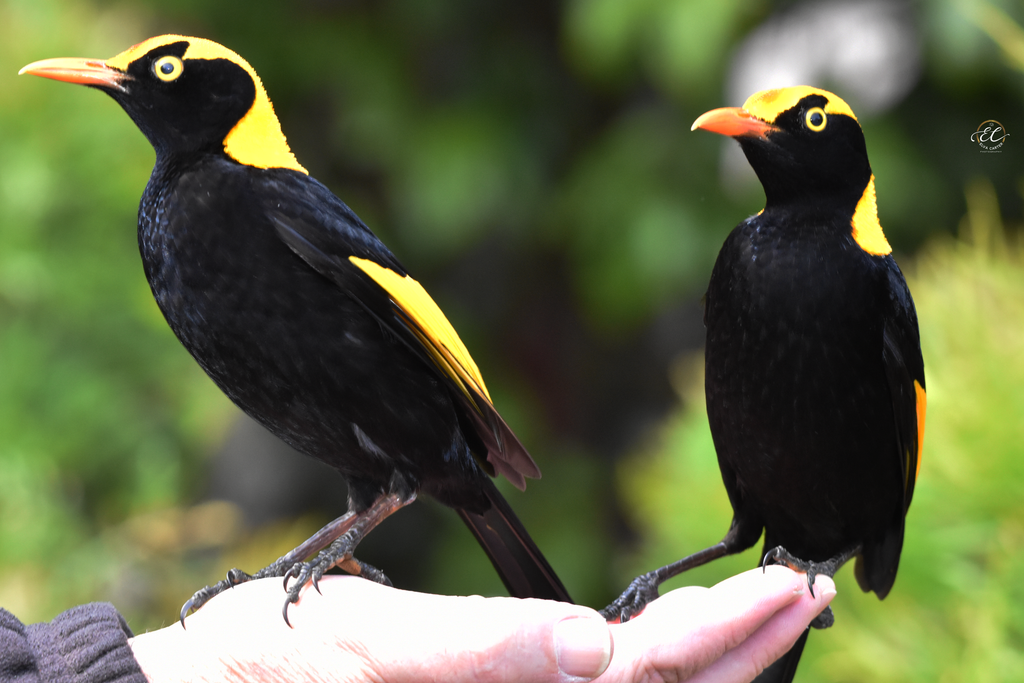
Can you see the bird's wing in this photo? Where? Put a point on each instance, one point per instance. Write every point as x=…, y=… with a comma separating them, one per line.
x=329, y=237
x=904, y=369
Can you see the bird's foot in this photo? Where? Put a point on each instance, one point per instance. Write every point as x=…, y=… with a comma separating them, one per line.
x=366, y=571
x=335, y=542
x=642, y=591
x=203, y=595
x=779, y=555
x=825, y=619
x=234, y=578
x=338, y=554
x=304, y=572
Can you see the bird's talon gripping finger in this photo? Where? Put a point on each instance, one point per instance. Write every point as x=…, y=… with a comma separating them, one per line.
x=642, y=591
x=206, y=593
x=284, y=611
x=303, y=577
x=184, y=611
x=779, y=555
x=292, y=572
x=367, y=571
x=293, y=592
x=773, y=557
x=237, y=576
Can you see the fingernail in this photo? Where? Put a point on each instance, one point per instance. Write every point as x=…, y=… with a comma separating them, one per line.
x=825, y=584
x=583, y=646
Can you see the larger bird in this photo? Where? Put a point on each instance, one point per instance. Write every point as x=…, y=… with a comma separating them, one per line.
x=303, y=317
x=813, y=372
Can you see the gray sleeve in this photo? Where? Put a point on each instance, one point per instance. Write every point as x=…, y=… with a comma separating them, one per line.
x=86, y=644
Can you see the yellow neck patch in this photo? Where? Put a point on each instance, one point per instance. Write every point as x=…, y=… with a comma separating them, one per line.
x=431, y=327
x=768, y=104
x=867, y=231
x=257, y=139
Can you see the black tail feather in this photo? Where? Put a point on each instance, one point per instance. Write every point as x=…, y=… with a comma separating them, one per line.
x=516, y=558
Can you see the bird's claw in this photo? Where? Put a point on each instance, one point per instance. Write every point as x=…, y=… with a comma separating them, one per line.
x=291, y=573
x=642, y=591
x=338, y=554
x=185, y=609
x=204, y=594
x=779, y=555
x=303, y=573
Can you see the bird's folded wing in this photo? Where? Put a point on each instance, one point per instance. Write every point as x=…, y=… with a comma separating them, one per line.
x=329, y=237
x=904, y=369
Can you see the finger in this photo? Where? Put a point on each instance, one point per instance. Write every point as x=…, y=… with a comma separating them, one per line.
x=685, y=631
x=407, y=636
x=772, y=639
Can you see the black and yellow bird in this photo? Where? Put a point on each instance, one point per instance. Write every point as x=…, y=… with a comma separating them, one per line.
x=814, y=379
x=303, y=317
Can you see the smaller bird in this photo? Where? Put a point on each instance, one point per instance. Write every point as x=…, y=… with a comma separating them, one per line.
x=814, y=378
x=304, y=318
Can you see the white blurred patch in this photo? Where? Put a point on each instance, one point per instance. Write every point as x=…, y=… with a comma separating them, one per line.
x=867, y=52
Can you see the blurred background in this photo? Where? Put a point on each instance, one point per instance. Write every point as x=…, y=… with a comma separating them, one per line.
x=531, y=163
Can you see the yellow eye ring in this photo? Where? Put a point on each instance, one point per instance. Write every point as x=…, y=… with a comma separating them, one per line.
x=815, y=119
x=168, y=68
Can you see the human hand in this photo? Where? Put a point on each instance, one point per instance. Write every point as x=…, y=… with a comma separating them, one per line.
x=727, y=633
x=361, y=631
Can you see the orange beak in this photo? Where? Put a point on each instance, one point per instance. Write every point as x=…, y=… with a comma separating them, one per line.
x=734, y=122
x=93, y=72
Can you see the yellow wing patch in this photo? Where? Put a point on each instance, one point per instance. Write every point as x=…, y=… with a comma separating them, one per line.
x=257, y=139
x=867, y=231
x=768, y=104
x=922, y=405
x=431, y=327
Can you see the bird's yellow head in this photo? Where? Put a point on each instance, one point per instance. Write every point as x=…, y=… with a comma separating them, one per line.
x=187, y=95
x=808, y=151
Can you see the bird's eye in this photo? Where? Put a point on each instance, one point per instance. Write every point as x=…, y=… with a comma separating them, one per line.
x=168, y=68
x=816, y=119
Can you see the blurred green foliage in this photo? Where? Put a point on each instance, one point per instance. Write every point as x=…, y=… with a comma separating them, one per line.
x=103, y=415
x=532, y=163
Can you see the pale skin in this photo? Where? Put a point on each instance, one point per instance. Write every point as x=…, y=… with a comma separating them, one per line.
x=362, y=631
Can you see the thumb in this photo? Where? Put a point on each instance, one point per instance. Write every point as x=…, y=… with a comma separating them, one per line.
x=405, y=636
x=478, y=640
